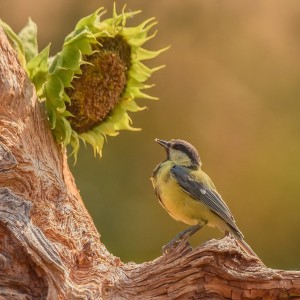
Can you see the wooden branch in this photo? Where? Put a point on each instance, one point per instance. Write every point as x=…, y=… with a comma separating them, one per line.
x=50, y=248
x=218, y=269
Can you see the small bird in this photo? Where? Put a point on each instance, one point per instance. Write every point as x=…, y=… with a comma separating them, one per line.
x=189, y=195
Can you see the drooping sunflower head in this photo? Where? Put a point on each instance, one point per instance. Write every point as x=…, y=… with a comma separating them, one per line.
x=94, y=81
x=101, y=84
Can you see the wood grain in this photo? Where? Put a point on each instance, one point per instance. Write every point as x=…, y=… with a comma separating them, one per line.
x=50, y=248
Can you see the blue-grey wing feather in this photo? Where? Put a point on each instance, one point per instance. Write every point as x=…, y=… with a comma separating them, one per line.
x=207, y=196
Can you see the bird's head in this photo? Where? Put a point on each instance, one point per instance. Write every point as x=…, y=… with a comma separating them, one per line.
x=181, y=153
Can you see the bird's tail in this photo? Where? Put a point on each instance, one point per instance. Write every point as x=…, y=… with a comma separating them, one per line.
x=242, y=243
x=248, y=249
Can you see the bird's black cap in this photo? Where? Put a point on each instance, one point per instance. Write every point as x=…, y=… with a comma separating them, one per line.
x=184, y=147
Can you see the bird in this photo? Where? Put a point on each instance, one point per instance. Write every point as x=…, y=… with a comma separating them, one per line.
x=188, y=194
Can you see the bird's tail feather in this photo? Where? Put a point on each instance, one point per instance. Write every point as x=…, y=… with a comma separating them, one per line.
x=248, y=249
x=242, y=243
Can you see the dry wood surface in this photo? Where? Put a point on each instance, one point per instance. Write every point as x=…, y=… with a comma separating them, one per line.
x=50, y=248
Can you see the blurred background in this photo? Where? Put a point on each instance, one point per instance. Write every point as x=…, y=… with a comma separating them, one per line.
x=231, y=87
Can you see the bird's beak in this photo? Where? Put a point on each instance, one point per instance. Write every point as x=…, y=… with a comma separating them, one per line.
x=162, y=143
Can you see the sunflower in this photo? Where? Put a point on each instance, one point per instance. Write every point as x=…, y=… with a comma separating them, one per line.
x=90, y=86
x=93, y=82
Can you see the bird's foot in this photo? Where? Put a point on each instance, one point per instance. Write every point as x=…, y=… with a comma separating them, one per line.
x=181, y=236
x=172, y=244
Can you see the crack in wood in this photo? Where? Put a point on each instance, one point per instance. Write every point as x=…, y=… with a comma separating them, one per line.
x=7, y=159
x=15, y=214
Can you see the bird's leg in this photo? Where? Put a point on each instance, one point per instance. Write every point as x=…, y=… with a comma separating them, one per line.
x=180, y=236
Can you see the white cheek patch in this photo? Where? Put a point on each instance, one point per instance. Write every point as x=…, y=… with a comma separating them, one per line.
x=179, y=157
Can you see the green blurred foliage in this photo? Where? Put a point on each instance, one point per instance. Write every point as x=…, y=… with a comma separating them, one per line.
x=231, y=87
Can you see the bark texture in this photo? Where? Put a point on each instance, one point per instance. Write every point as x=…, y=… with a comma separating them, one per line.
x=50, y=248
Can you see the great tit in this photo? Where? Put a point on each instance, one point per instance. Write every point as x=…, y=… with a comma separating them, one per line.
x=189, y=195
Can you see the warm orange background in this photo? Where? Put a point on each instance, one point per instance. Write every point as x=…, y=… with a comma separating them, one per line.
x=231, y=87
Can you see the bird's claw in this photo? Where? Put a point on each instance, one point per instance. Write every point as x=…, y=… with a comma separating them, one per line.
x=181, y=236
x=174, y=243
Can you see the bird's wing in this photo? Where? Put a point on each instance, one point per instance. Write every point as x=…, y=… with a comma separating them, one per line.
x=204, y=194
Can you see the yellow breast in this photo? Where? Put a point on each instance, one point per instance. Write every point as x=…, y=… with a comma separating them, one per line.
x=177, y=202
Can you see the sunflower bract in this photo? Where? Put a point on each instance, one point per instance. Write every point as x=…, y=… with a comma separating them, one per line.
x=93, y=82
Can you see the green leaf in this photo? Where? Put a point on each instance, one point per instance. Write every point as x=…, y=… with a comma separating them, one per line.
x=16, y=42
x=28, y=36
x=91, y=19
x=37, y=68
x=71, y=58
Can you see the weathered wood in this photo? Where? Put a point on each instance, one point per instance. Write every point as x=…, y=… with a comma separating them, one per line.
x=50, y=248
x=217, y=269
x=49, y=244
